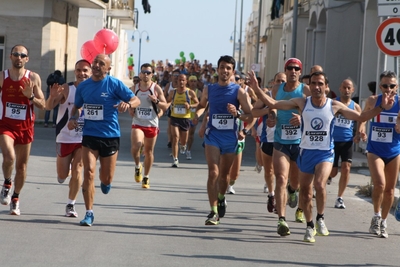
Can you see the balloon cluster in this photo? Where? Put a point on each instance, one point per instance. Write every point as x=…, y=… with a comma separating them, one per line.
x=183, y=58
x=105, y=41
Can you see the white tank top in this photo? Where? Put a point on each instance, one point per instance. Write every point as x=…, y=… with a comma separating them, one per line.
x=317, y=123
x=145, y=115
x=63, y=135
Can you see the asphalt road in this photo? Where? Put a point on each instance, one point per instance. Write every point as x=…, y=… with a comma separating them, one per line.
x=164, y=225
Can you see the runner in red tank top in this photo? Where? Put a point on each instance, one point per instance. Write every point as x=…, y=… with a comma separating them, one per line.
x=20, y=92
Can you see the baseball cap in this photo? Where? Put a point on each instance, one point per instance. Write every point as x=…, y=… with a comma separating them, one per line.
x=192, y=78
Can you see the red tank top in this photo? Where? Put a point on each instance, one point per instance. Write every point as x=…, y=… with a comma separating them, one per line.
x=16, y=111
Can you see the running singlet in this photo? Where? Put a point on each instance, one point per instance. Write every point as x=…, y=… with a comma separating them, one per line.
x=63, y=134
x=16, y=111
x=343, y=130
x=317, y=124
x=178, y=109
x=218, y=98
x=383, y=139
x=145, y=115
x=285, y=133
x=98, y=99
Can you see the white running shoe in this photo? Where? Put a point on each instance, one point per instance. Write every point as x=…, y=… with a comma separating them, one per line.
x=5, y=195
x=265, y=188
x=339, y=203
x=188, y=155
x=321, y=228
x=14, y=207
x=230, y=190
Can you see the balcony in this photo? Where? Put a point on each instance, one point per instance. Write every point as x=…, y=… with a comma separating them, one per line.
x=96, y=4
x=122, y=9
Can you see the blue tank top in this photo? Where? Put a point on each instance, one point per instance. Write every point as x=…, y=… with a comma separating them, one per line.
x=343, y=130
x=383, y=140
x=285, y=133
x=218, y=98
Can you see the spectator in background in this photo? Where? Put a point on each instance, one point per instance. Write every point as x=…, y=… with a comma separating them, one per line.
x=55, y=77
x=372, y=87
x=130, y=67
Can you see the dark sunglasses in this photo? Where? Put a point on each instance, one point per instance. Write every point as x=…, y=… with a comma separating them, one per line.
x=293, y=68
x=237, y=78
x=386, y=86
x=16, y=54
x=146, y=72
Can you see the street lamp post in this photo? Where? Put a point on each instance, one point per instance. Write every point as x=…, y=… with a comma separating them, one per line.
x=140, y=44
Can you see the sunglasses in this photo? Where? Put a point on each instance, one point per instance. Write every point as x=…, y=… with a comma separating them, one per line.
x=237, y=78
x=293, y=68
x=386, y=86
x=16, y=54
x=147, y=72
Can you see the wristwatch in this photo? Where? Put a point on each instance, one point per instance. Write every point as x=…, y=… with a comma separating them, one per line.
x=245, y=131
x=238, y=113
x=32, y=97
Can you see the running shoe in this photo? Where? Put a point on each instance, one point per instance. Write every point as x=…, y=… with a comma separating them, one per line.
x=14, y=207
x=299, y=215
x=321, y=228
x=339, y=203
x=182, y=150
x=383, y=233
x=230, y=190
x=88, y=220
x=271, y=204
x=222, y=207
x=375, y=227
x=283, y=228
x=70, y=211
x=188, y=155
x=329, y=181
x=258, y=168
x=138, y=174
x=397, y=210
x=265, y=188
x=292, y=199
x=169, y=145
x=212, y=219
x=105, y=188
x=309, y=235
x=175, y=163
x=5, y=197
x=146, y=182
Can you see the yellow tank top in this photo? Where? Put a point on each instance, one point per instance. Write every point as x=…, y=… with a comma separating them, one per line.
x=178, y=105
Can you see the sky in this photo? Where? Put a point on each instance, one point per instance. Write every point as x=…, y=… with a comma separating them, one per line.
x=201, y=27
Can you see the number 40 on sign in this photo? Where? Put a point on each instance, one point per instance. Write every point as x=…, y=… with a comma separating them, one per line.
x=388, y=37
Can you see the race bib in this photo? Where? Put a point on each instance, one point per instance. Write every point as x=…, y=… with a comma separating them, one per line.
x=341, y=121
x=317, y=139
x=94, y=112
x=16, y=111
x=290, y=132
x=144, y=113
x=382, y=134
x=78, y=129
x=179, y=109
x=223, y=121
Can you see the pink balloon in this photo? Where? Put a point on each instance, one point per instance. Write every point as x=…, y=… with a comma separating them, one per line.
x=89, y=51
x=106, y=41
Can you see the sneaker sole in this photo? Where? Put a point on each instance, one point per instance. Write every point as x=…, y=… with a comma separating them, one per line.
x=138, y=180
x=212, y=223
x=71, y=215
x=17, y=213
x=146, y=186
x=283, y=231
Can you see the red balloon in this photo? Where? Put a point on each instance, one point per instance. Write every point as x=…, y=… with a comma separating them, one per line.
x=106, y=41
x=89, y=51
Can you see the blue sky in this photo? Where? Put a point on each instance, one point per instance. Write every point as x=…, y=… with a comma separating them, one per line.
x=202, y=27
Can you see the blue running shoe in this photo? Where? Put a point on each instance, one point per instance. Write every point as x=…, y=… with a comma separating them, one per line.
x=88, y=220
x=105, y=188
x=397, y=211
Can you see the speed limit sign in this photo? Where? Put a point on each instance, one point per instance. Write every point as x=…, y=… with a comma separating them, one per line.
x=388, y=37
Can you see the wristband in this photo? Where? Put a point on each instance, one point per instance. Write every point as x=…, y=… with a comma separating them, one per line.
x=238, y=113
x=157, y=101
x=245, y=131
x=72, y=118
x=380, y=106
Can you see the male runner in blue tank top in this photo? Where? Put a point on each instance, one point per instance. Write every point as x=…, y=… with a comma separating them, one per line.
x=221, y=136
x=343, y=141
x=383, y=151
x=316, y=147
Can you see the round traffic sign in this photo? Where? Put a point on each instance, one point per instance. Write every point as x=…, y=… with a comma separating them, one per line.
x=387, y=37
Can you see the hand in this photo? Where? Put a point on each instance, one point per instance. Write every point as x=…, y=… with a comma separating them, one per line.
x=388, y=100
x=295, y=120
x=231, y=109
x=195, y=120
x=122, y=106
x=27, y=88
x=72, y=124
x=56, y=90
x=241, y=135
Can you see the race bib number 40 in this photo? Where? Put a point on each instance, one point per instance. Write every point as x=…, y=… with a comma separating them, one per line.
x=223, y=121
x=93, y=112
x=16, y=111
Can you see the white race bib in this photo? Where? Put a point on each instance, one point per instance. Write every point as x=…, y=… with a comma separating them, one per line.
x=94, y=112
x=16, y=111
x=179, y=109
x=382, y=134
x=144, y=113
x=223, y=121
x=341, y=121
x=317, y=139
x=290, y=132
